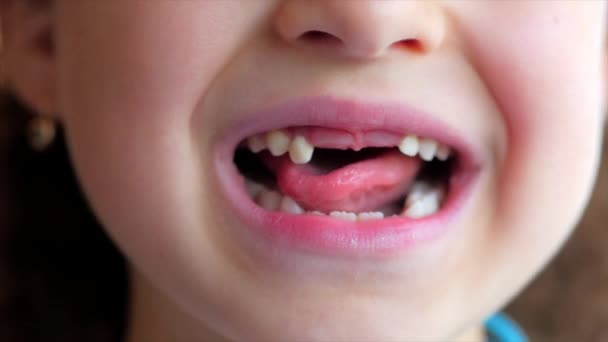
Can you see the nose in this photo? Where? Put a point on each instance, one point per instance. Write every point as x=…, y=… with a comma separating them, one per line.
x=362, y=29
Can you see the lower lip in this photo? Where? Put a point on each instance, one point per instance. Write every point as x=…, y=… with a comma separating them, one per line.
x=329, y=236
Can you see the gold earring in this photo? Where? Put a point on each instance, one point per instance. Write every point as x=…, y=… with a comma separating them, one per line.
x=41, y=132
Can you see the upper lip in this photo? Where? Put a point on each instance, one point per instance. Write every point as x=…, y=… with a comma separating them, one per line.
x=352, y=115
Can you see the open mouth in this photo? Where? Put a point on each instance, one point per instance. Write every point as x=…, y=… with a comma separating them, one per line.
x=342, y=177
x=317, y=171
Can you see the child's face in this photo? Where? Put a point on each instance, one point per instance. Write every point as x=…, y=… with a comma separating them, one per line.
x=156, y=95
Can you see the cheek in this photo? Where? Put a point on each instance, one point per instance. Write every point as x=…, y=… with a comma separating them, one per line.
x=132, y=75
x=545, y=72
x=152, y=63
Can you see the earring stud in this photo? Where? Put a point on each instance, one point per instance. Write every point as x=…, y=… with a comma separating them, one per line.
x=41, y=132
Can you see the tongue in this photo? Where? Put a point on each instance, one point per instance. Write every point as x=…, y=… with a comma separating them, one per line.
x=357, y=187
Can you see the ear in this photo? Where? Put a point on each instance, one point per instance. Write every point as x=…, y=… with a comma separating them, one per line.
x=28, y=52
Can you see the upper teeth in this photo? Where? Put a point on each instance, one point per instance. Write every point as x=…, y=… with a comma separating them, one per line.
x=443, y=152
x=256, y=143
x=300, y=150
x=428, y=148
x=409, y=145
x=279, y=142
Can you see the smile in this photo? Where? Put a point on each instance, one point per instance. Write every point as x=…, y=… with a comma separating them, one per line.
x=340, y=177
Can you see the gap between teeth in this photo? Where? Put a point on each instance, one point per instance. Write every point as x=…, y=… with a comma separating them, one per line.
x=422, y=200
x=300, y=150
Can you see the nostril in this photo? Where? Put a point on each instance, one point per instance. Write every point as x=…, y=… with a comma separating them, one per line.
x=316, y=36
x=411, y=44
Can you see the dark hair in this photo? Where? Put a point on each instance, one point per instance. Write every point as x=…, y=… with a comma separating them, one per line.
x=61, y=278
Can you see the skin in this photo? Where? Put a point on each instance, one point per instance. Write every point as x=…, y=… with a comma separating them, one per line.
x=142, y=87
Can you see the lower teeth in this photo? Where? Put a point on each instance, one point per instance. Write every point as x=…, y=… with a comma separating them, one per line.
x=424, y=199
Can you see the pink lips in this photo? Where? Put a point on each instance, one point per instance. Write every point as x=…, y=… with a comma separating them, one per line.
x=330, y=236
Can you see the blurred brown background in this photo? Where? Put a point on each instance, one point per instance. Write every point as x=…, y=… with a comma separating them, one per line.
x=569, y=299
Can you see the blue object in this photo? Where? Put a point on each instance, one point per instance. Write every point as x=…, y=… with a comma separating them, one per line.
x=501, y=328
